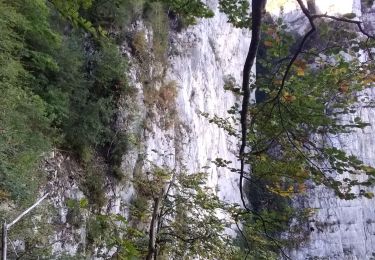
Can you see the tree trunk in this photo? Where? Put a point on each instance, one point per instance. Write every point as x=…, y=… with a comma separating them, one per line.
x=4, y=241
x=152, y=250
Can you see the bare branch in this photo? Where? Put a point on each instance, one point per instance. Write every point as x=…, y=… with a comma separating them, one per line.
x=27, y=211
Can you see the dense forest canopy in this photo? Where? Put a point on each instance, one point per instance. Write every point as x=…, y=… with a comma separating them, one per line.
x=63, y=77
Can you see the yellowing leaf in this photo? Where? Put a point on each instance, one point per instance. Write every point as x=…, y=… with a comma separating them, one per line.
x=302, y=173
x=300, y=71
x=4, y=195
x=287, y=97
x=278, y=82
x=268, y=43
x=368, y=195
x=270, y=31
x=369, y=79
x=343, y=70
x=344, y=88
x=300, y=63
x=301, y=188
x=283, y=193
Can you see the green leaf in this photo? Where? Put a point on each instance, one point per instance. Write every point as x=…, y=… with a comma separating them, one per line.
x=350, y=15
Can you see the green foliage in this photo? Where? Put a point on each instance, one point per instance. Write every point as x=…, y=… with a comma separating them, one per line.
x=71, y=10
x=191, y=224
x=36, y=231
x=24, y=125
x=288, y=141
x=75, y=207
x=61, y=87
x=156, y=16
x=115, y=14
x=189, y=10
x=53, y=91
x=96, y=16
x=290, y=130
x=93, y=183
x=238, y=12
x=120, y=144
x=114, y=231
x=98, y=227
x=92, y=104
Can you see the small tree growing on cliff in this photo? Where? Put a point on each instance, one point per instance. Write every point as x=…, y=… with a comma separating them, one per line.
x=185, y=217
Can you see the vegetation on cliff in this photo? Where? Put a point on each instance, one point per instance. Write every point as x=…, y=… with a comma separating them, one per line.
x=62, y=77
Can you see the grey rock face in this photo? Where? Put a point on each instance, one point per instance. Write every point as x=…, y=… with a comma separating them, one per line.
x=203, y=57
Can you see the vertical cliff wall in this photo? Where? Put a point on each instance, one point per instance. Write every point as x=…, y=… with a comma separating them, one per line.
x=202, y=58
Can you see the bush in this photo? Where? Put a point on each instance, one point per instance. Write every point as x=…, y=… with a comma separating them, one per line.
x=139, y=209
x=164, y=99
x=93, y=184
x=117, y=148
x=97, y=227
x=74, y=215
x=155, y=15
x=112, y=13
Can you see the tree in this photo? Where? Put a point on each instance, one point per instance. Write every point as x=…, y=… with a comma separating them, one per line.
x=328, y=98
x=306, y=84
x=288, y=131
x=185, y=217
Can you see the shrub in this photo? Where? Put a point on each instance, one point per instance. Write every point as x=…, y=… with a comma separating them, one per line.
x=116, y=14
x=156, y=17
x=93, y=184
x=140, y=46
x=139, y=209
x=117, y=148
x=74, y=216
x=97, y=227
